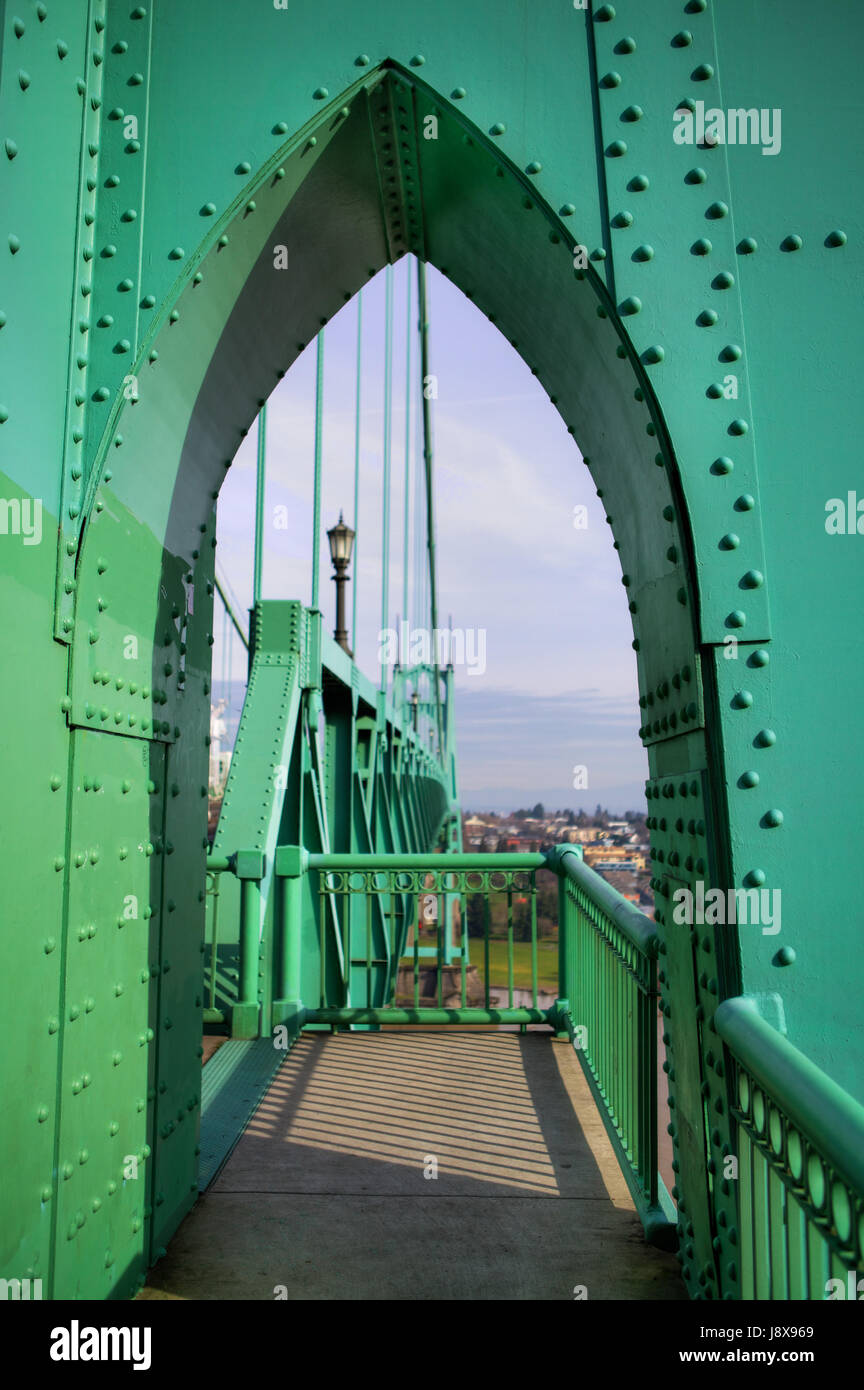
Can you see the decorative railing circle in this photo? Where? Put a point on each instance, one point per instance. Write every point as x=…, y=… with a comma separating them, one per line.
x=816, y=1184
x=841, y=1211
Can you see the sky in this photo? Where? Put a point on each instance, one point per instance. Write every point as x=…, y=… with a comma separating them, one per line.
x=536, y=596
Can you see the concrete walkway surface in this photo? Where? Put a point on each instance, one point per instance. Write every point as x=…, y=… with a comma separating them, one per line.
x=330, y=1192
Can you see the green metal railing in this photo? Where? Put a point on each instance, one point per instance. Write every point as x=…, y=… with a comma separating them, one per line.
x=800, y=1166
x=608, y=980
x=370, y=920
x=366, y=914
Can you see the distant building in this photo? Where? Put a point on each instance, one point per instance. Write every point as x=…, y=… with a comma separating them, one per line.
x=616, y=857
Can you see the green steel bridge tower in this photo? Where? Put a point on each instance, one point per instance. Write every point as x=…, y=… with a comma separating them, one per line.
x=656, y=206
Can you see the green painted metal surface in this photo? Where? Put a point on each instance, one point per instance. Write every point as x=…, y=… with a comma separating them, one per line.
x=234, y=1082
x=153, y=157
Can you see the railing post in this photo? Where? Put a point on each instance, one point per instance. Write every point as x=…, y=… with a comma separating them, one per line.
x=250, y=869
x=290, y=866
x=565, y=944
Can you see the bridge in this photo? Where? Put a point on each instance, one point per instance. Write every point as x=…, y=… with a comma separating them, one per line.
x=653, y=204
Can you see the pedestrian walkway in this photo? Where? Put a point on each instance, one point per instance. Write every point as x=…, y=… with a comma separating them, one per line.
x=448, y=1164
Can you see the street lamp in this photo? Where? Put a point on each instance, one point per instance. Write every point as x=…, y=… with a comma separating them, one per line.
x=341, y=539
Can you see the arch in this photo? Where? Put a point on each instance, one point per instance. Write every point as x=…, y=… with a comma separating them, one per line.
x=644, y=353
x=231, y=326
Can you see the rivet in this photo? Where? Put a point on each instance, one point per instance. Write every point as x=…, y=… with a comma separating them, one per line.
x=772, y=819
x=755, y=878
x=747, y=245
x=616, y=149
x=717, y=210
x=625, y=45
x=791, y=243
x=703, y=73
x=835, y=238
x=738, y=427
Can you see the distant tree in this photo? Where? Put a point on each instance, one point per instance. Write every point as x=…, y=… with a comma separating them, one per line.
x=522, y=921
x=538, y=811
x=571, y=819
x=475, y=915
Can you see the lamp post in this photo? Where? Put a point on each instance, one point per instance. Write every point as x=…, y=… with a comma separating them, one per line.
x=341, y=539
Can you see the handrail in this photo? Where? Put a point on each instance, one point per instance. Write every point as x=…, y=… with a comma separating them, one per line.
x=480, y=862
x=826, y=1114
x=639, y=930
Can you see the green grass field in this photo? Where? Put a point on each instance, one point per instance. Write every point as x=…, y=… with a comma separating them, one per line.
x=547, y=963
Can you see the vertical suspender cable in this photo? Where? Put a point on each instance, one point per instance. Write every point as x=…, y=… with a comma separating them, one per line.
x=407, y=498
x=430, y=511
x=357, y=465
x=385, y=521
x=316, y=503
x=419, y=524
x=259, y=504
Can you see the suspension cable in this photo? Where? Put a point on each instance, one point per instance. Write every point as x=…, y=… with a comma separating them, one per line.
x=385, y=520
x=316, y=505
x=229, y=612
x=430, y=510
x=407, y=497
x=259, y=504
x=357, y=464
